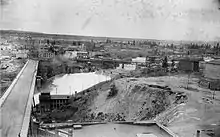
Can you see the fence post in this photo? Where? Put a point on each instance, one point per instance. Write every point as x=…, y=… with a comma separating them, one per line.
x=70, y=131
x=56, y=133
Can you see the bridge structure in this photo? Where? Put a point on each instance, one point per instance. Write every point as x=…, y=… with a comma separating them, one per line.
x=16, y=103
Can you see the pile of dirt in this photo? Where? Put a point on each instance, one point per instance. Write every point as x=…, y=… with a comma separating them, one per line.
x=125, y=99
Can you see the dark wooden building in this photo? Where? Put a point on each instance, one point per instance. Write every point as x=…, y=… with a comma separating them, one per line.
x=50, y=102
x=189, y=64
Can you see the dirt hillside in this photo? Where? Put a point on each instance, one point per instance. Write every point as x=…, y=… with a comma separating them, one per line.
x=125, y=99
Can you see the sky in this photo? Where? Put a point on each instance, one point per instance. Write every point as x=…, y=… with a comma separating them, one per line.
x=149, y=19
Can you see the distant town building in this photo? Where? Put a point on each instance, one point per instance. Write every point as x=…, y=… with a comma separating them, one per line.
x=44, y=48
x=70, y=54
x=72, y=48
x=195, y=51
x=210, y=52
x=95, y=53
x=140, y=60
x=89, y=46
x=99, y=47
x=127, y=66
x=21, y=54
x=153, y=60
x=46, y=55
x=73, y=68
x=82, y=54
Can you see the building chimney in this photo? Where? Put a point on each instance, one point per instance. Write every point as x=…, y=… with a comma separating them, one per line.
x=198, y=133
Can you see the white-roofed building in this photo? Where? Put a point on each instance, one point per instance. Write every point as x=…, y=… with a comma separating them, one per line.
x=146, y=135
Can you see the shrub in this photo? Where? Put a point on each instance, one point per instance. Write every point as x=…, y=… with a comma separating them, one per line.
x=113, y=91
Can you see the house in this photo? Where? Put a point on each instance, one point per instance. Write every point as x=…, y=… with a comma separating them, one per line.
x=89, y=46
x=21, y=54
x=46, y=55
x=71, y=48
x=49, y=102
x=73, y=68
x=139, y=60
x=211, y=73
x=44, y=48
x=210, y=52
x=82, y=54
x=195, y=51
x=189, y=64
x=70, y=54
x=5, y=57
x=99, y=47
x=95, y=53
x=127, y=66
x=153, y=60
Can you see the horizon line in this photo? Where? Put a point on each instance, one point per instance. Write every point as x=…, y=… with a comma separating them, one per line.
x=67, y=34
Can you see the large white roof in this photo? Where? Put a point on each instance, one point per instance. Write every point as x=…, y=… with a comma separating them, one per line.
x=146, y=135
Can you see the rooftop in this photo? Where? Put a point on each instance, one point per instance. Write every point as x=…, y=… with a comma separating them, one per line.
x=55, y=96
x=82, y=52
x=215, y=62
x=60, y=96
x=191, y=59
x=216, y=57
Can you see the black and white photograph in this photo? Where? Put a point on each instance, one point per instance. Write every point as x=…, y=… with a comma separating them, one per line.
x=110, y=68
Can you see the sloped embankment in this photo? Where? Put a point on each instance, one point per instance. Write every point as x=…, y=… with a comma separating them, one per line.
x=120, y=100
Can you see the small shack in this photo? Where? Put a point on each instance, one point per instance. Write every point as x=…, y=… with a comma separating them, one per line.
x=211, y=73
x=189, y=64
x=212, y=69
x=73, y=68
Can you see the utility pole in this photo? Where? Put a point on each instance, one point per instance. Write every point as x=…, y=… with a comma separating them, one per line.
x=188, y=81
x=213, y=96
x=189, y=72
